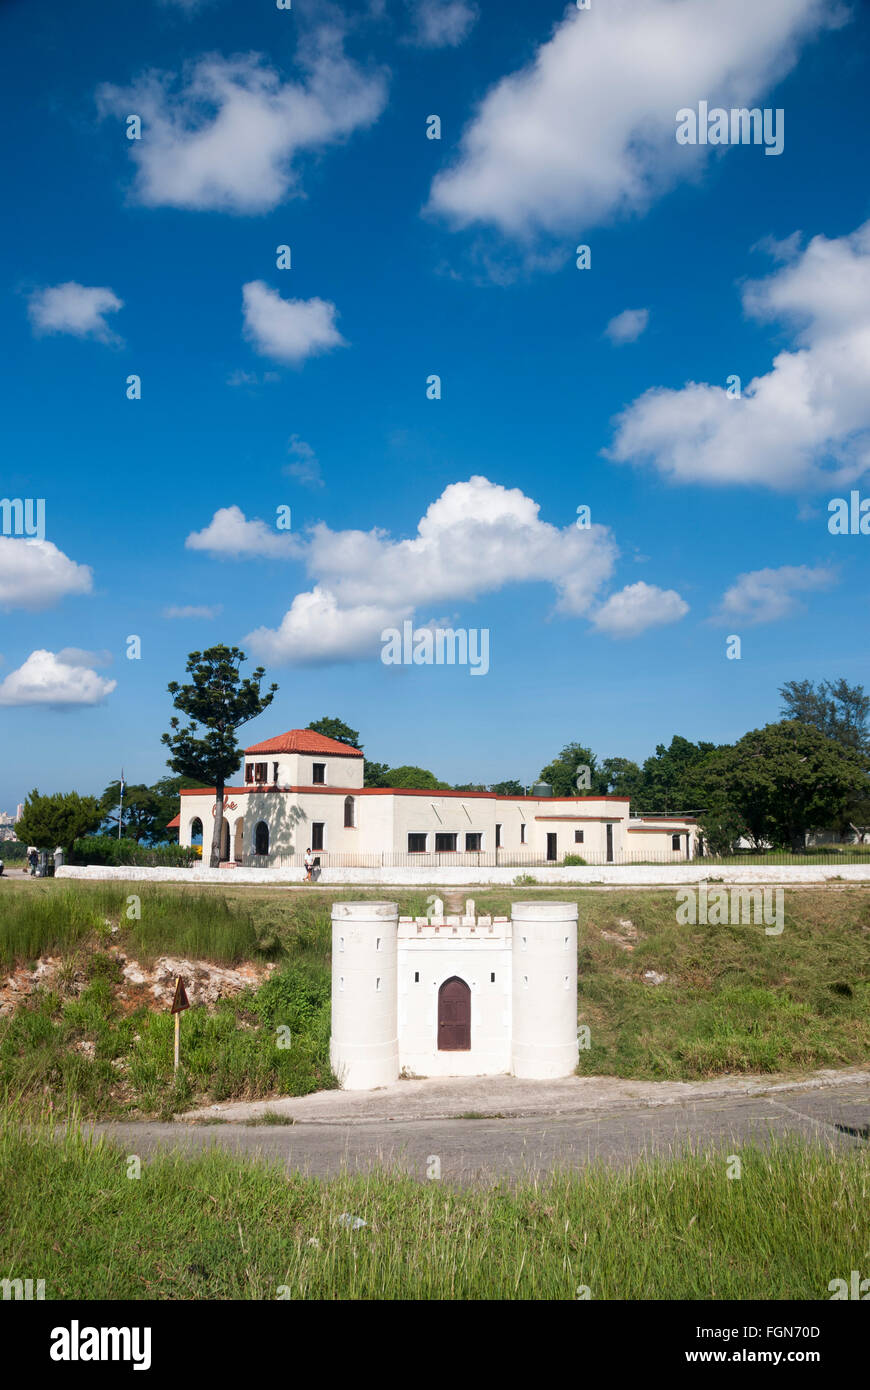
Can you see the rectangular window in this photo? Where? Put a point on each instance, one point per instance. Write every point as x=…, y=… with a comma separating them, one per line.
x=498, y=837
x=317, y=834
x=416, y=843
x=522, y=833
x=249, y=772
x=473, y=840
x=578, y=837
x=260, y=772
x=416, y=977
x=492, y=977
x=445, y=842
x=275, y=773
x=318, y=774
x=675, y=842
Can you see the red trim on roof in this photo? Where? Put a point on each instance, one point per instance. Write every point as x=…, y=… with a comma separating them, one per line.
x=305, y=741
x=321, y=790
x=175, y=823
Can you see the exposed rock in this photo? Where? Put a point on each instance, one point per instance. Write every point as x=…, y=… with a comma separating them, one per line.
x=652, y=977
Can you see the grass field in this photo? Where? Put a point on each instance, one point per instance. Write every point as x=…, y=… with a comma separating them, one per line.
x=214, y=1227
x=733, y=1000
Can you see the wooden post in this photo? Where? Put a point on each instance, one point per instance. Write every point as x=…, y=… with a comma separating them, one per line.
x=177, y=1038
x=179, y=1002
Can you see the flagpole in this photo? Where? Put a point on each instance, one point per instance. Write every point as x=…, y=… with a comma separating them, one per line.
x=121, y=807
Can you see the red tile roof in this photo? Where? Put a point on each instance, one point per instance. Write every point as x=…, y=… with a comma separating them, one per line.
x=304, y=741
x=175, y=823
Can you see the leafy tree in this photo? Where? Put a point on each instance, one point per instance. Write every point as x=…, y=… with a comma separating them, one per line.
x=841, y=711
x=336, y=728
x=470, y=787
x=562, y=773
x=415, y=779
x=669, y=781
x=783, y=780
x=623, y=777
x=375, y=774
x=217, y=701
x=60, y=819
x=509, y=788
x=140, y=808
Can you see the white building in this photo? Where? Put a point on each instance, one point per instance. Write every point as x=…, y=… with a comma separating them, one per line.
x=453, y=996
x=302, y=790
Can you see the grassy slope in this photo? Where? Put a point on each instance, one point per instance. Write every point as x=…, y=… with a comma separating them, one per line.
x=217, y=1228
x=735, y=999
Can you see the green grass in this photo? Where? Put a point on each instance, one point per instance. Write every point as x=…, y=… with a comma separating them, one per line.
x=735, y=1000
x=214, y=1227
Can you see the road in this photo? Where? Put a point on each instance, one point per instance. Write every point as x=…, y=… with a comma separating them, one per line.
x=834, y=1114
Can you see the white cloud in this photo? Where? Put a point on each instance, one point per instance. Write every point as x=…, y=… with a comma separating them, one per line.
x=229, y=534
x=305, y=467
x=763, y=596
x=441, y=23
x=59, y=680
x=587, y=130
x=288, y=329
x=474, y=539
x=193, y=610
x=627, y=326
x=226, y=136
x=76, y=309
x=638, y=607
x=806, y=422
x=35, y=574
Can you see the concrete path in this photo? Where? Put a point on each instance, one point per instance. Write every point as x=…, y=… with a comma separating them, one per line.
x=526, y=1127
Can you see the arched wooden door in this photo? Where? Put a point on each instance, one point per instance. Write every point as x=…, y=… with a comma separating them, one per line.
x=454, y=1016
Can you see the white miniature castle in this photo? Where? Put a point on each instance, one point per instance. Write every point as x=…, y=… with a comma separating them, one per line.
x=462, y=995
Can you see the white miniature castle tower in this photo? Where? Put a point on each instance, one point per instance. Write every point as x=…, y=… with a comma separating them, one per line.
x=453, y=996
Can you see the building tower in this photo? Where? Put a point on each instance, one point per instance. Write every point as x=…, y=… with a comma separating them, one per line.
x=544, y=955
x=364, y=1049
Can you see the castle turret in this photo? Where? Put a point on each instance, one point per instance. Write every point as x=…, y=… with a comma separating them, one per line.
x=364, y=1048
x=544, y=989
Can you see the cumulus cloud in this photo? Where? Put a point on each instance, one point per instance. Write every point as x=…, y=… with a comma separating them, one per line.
x=473, y=540
x=763, y=596
x=803, y=424
x=638, y=607
x=230, y=535
x=627, y=326
x=76, y=309
x=227, y=135
x=587, y=129
x=441, y=23
x=60, y=680
x=288, y=330
x=35, y=574
x=193, y=610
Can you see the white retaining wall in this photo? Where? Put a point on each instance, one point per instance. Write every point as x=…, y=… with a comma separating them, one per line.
x=624, y=875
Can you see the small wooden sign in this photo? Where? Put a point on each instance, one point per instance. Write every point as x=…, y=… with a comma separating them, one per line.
x=181, y=1000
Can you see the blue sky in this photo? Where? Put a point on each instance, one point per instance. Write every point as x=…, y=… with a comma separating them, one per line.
x=413, y=257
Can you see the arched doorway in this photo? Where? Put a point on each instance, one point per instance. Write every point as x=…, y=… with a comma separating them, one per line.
x=239, y=840
x=349, y=813
x=454, y=1016
x=196, y=831
x=261, y=838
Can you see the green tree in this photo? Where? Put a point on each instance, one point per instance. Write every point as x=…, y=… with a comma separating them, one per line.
x=60, y=819
x=669, y=781
x=375, y=774
x=841, y=711
x=415, y=779
x=565, y=770
x=140, y=809
x=782, y=781
x=337, y=729
x=217, y=701
x=509, y=788
x=470, y=787
x=623, y=777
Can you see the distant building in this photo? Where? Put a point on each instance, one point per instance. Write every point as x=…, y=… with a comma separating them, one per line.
x=302, y=790
x=7, y=825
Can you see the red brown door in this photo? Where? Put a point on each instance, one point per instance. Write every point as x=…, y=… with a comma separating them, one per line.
x=454, y=1016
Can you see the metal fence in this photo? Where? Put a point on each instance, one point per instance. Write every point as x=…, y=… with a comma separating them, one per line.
x=513, y=859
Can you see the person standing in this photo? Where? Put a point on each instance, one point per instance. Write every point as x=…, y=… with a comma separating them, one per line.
x=33, y=860
x=309, y=865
